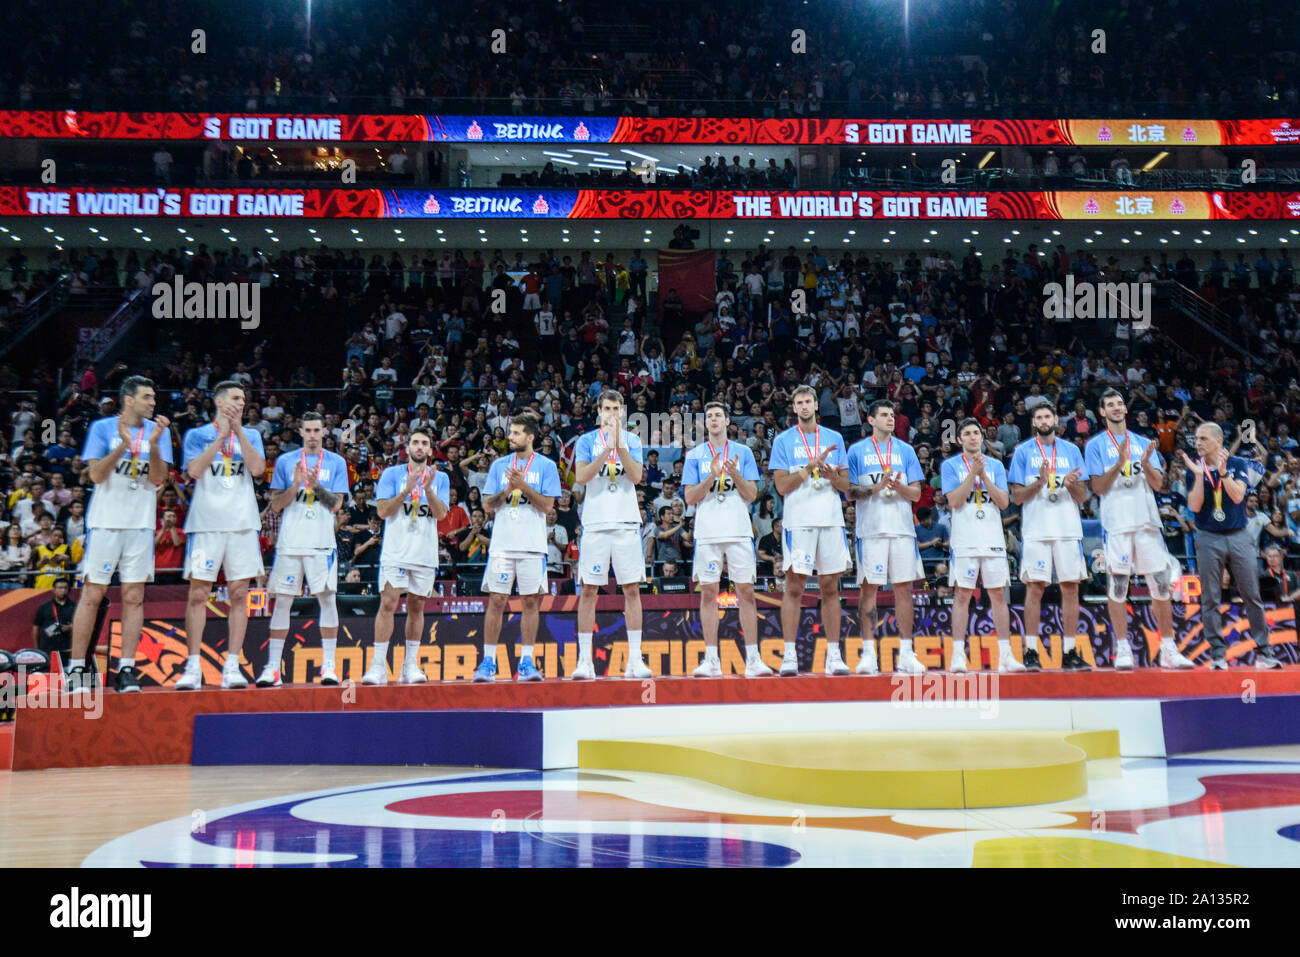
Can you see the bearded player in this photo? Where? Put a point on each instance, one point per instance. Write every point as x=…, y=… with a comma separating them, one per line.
x=886, y=479
x=1047, y=479
x=1124, y=467
x=222, y=527
x=720, y=479
x=128, y=457
x=808, y=468
x=309, y=488
x=519, y=491
x=410, y=499
x=608, y=463
x=976, y=489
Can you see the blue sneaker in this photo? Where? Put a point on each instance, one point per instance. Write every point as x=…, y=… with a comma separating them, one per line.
x=528, y=671
x=486, y=671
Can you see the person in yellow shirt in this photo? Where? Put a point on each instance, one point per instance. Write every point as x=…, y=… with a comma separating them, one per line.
x=54, y=560
x=623, y=282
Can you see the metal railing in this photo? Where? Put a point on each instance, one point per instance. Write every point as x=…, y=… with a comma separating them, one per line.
x=95, y=343
x=1199, y=309
x=42, y=306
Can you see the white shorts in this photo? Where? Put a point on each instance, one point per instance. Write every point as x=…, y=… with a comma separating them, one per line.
x=620, y=547
x=207, y=552
x=1038, y=560
x=884, y=561
x=502, y=571
x=532, y=301
x=1136, y=553
x=413, y=579
x=319, y=570
x=128, y=550
x=821, y=551
x=740, y=559
x=970, y=571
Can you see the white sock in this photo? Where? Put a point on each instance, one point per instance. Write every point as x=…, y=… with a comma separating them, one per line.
x=1169, y=642
x=634, y=643
x=959, y=647
x=526, y=651
x=413, y=654
x=751, y=651
x=232, y=660
x=192, y=662
x=489, y=651
x=76, y=662
x=868, y=646
x=584, y=645
x=275, y=651
x=710, y=654
x=832, y=649
x=381, y=653
x=789, y=647
x=327, y=646
x=1031, y=644
x=1004, y=647
x=905, y=646
x=125, y=663
x=1069, y=643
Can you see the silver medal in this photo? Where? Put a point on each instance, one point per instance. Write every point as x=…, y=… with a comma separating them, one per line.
x=227, y=481
x=721, y=496
x=133, y=485
x=310, y=513
x=1128, y=481
x=979, y=513
x=1219, y=515
x=514, y=511
x=818, y=483
x=613, y=486
x=1052, y=497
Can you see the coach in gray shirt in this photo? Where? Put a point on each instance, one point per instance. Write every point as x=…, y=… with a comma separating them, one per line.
x=1216, y=492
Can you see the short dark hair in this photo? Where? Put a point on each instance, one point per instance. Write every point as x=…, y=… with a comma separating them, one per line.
x=877, y=406
x=1049, y=406
x=526, y=421
x=225, y=386
x=425, y=432
x=801, y=390
x=715, y=404
x=610, y=395
x=967, y=422
x=1101, y=403
x=133, y=384
x=310, y=417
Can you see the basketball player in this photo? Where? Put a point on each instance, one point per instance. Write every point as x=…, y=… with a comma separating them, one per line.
x=808, y=468
x=310, y=488
x=1047, y=480
x=976, y=489
x=128, y=456
x=720, y=479
x=886, y=479
x=221, y=527
x=410, y=499
x=1124, y=467
x=608, y=462
x=519, y=491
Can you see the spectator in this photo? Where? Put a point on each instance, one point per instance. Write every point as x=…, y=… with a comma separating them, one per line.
x=52, y=626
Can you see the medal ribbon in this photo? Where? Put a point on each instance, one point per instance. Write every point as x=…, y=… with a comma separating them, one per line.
x=416, y=493
x=979, y=484
x=812, y=452
x=1128, y=442
x=516, y=495
x=1051, y=472
x=885, y=461
x=228, y=453
x=725, y=449
x=135, y=452
x=311, y=496
x=1216, y=486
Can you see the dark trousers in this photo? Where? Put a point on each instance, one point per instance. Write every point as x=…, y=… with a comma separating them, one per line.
x=1240, y=554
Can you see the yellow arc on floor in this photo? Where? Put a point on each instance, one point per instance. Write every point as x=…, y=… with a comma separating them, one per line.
x=874, y=769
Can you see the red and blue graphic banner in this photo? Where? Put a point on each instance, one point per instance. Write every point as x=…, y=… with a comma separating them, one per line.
x=719, y=131
x=856, y=205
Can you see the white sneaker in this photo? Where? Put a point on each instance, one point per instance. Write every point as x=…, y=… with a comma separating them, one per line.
x=790, y=665
x=411, y=674
x=756, y=667
x=835, y=663
x=958, y=665
x=867, y=663
x=1007, y=663
x=376, y=674
x=269, y=678
x=1171, y=657
x=328, y=676
x=191, y=680
x=585, y=671
x=1123, y=656
x=231, y=676
x=637, y=668
x=909, y=664
x=710, y=667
